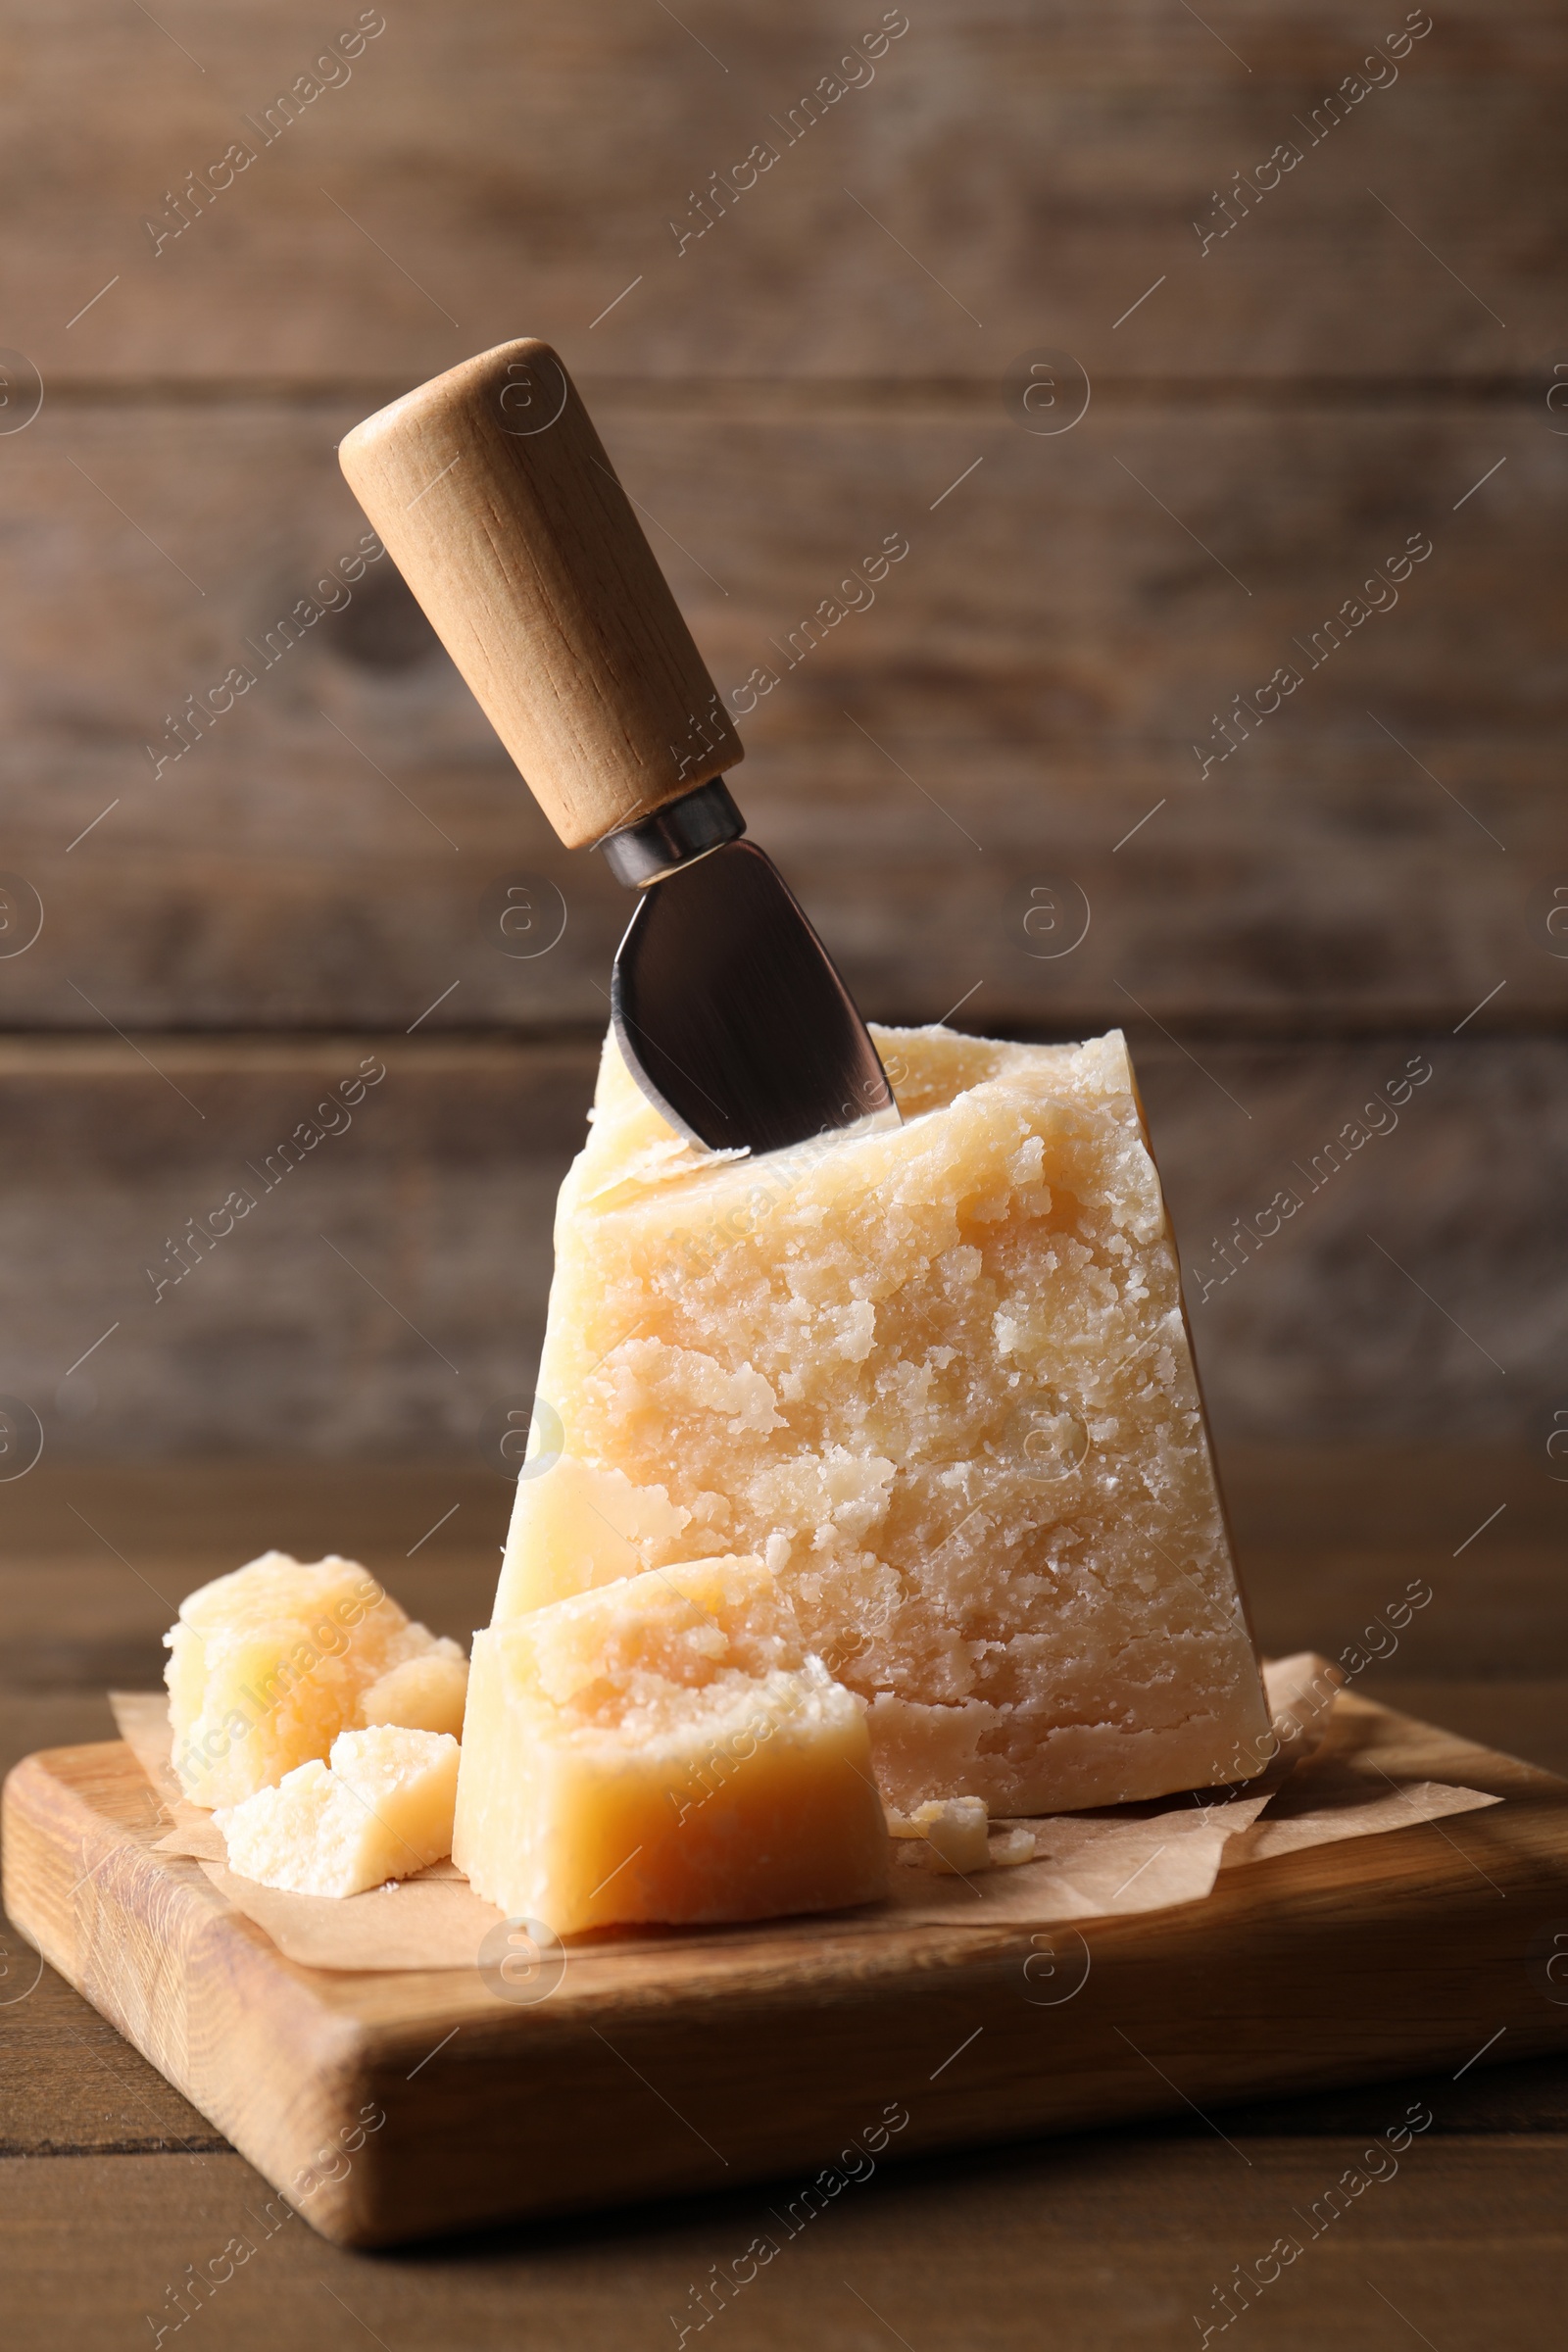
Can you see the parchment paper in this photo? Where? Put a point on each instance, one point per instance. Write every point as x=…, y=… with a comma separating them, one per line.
x=1112, y=1864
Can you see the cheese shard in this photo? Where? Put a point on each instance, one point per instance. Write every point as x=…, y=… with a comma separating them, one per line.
x=941, y=1381
x=382, y=1809
x=664, y=1748
x=952, y=1836
x=270, y=1663
x=951, y=1833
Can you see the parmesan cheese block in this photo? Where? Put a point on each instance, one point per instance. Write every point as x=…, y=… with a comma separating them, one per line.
x=382, y=1809
x=941, y=1381
x=270, y=1663
x=664, y=1749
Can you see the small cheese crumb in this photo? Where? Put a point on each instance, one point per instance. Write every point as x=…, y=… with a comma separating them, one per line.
x=951, y=1830
x=381, y=1810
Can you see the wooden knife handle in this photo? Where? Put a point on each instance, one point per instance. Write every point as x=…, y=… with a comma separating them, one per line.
x=493, y=494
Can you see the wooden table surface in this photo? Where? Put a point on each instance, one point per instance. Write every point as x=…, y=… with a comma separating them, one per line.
x=112, y=2188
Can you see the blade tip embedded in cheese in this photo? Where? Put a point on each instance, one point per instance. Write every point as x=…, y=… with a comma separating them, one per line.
x=664, y=1749
x=941, y=1381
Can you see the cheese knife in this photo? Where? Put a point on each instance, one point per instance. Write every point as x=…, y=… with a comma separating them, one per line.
x=493, y=494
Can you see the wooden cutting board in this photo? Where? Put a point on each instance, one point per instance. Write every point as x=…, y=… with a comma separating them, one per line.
x=386, y=2107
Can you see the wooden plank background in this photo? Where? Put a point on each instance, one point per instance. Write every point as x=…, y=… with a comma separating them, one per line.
x=1363, y=359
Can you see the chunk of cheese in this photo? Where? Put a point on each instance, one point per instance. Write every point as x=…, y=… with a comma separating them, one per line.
x=426, y=1694
x=270, y=1663
x=664, y=1748
x=941, y=1381
x=382, y=1809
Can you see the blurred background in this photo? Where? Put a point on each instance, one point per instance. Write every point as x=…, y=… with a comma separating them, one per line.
x=1214, y=374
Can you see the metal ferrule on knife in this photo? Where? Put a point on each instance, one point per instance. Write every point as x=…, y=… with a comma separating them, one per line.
x=683, y=829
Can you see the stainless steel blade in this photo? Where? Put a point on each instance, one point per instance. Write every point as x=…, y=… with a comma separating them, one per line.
x=731, y=1015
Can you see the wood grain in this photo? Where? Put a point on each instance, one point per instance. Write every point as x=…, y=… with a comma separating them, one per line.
x=502, y=1127
x=1116, y=2236
x=1350, y=1961
x=520, y=178
x=71, y=2085
x=1020, y=704
x=495, y=498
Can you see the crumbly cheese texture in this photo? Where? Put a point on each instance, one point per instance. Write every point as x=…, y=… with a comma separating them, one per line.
x=954, y=1830
x=941, y=1381
x=269, y=1664
x=382, y=1809
x=426, y=1692
x=664, y=1748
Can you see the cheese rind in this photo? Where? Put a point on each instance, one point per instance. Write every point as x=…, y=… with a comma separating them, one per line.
x=382, y=1809
x=941, y=1381
x=268, y=1663
x=664, y=1748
